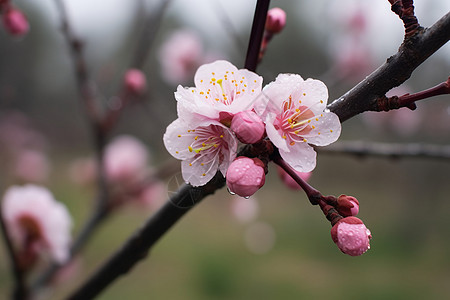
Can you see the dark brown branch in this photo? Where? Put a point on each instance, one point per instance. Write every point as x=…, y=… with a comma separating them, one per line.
x=397, y=69
x=405, y=10
x=256, y=36
x=371, y=149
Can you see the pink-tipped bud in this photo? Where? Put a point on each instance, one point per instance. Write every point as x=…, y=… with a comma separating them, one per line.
x=351, y=236
x=245, y=176
x=289, y=181
x=347, y=206
x=276, y=20
x=248, y=127
x=15, y=22
x=135, y=82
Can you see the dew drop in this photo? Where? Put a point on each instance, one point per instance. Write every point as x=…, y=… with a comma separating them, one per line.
x=327, y=110
x=231, y=193
x=247, y=197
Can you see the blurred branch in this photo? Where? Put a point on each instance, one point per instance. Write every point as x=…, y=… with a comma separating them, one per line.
x=397, y=69
x=137, y=247
x=20, y=290
x=148, y=35
x=367, y=149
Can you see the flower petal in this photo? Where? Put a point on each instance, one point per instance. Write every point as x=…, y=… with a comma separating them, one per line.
x=274, y=135
x=199, y=169
x=177, y=139
x=326, y=130
x=301, y=157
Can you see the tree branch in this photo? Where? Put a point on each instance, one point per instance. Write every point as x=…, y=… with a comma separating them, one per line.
x=397, y=69
x=367, y=149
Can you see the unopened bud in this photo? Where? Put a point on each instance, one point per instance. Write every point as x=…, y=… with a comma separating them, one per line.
x=248, y=127
x=135, y=81
x=245, y=176
x=347, y=206
x=276, y=20
x=351, y=236
x=15, y=22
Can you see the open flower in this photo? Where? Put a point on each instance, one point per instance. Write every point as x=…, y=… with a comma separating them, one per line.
x=221, y=90
x=36, y=222
x=203, y=149
x=294, y=112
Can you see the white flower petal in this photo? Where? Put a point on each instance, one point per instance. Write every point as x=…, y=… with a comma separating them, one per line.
x=302, y=157
x=327, y=130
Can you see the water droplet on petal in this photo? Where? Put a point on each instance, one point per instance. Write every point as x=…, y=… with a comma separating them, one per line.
x=326, y=110
x=247, y=197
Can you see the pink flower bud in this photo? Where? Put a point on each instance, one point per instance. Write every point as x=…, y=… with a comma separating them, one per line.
x=248, y=127
x=135, y=82
x=276, y=20
x=15, y=22
x=351, y=236
x=289, y=181
x=347, y=205
x=245, y=176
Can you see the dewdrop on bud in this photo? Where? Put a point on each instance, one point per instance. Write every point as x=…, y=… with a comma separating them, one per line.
x=351, y=236
x=276, y=20
x=135, y=82
x=248, y=127
x=347, y=206
x=245, y=176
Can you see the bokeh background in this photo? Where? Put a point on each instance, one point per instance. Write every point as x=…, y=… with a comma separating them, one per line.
x=284, y=250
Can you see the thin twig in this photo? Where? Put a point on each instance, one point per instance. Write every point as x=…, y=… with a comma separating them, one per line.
x=372, y=149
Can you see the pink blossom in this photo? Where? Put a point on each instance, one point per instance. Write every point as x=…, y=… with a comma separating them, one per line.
x=351, y=236
x=153, y=195
x=203, y=149
x=180, y=56
x=135, y=81
x=245, y=176
x=248, y=127
x=289, y=181
x=276, y=20
x=15, y=22
x=125, y=159
x=36, y=221
x=294, y=112
x=221, y=90
x=31, y=166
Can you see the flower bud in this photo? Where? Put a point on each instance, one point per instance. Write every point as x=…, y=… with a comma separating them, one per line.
x=289, y=181
x=245, y=176
x=248, y=127
x=15, y=22
x=351, y=236
x=135, y=82
x=347, y=205
x=276, y=20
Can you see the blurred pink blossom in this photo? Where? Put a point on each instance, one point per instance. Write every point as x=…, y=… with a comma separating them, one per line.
x=31, y=166
x=276, y=20
x=126, y=159
x=15, y=21
x=244, y=210
x=135, y=81
x=36, y=222
x=180, y=56
x=153, y=195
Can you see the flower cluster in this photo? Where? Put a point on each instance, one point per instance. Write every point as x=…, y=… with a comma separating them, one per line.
x=228, y=106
